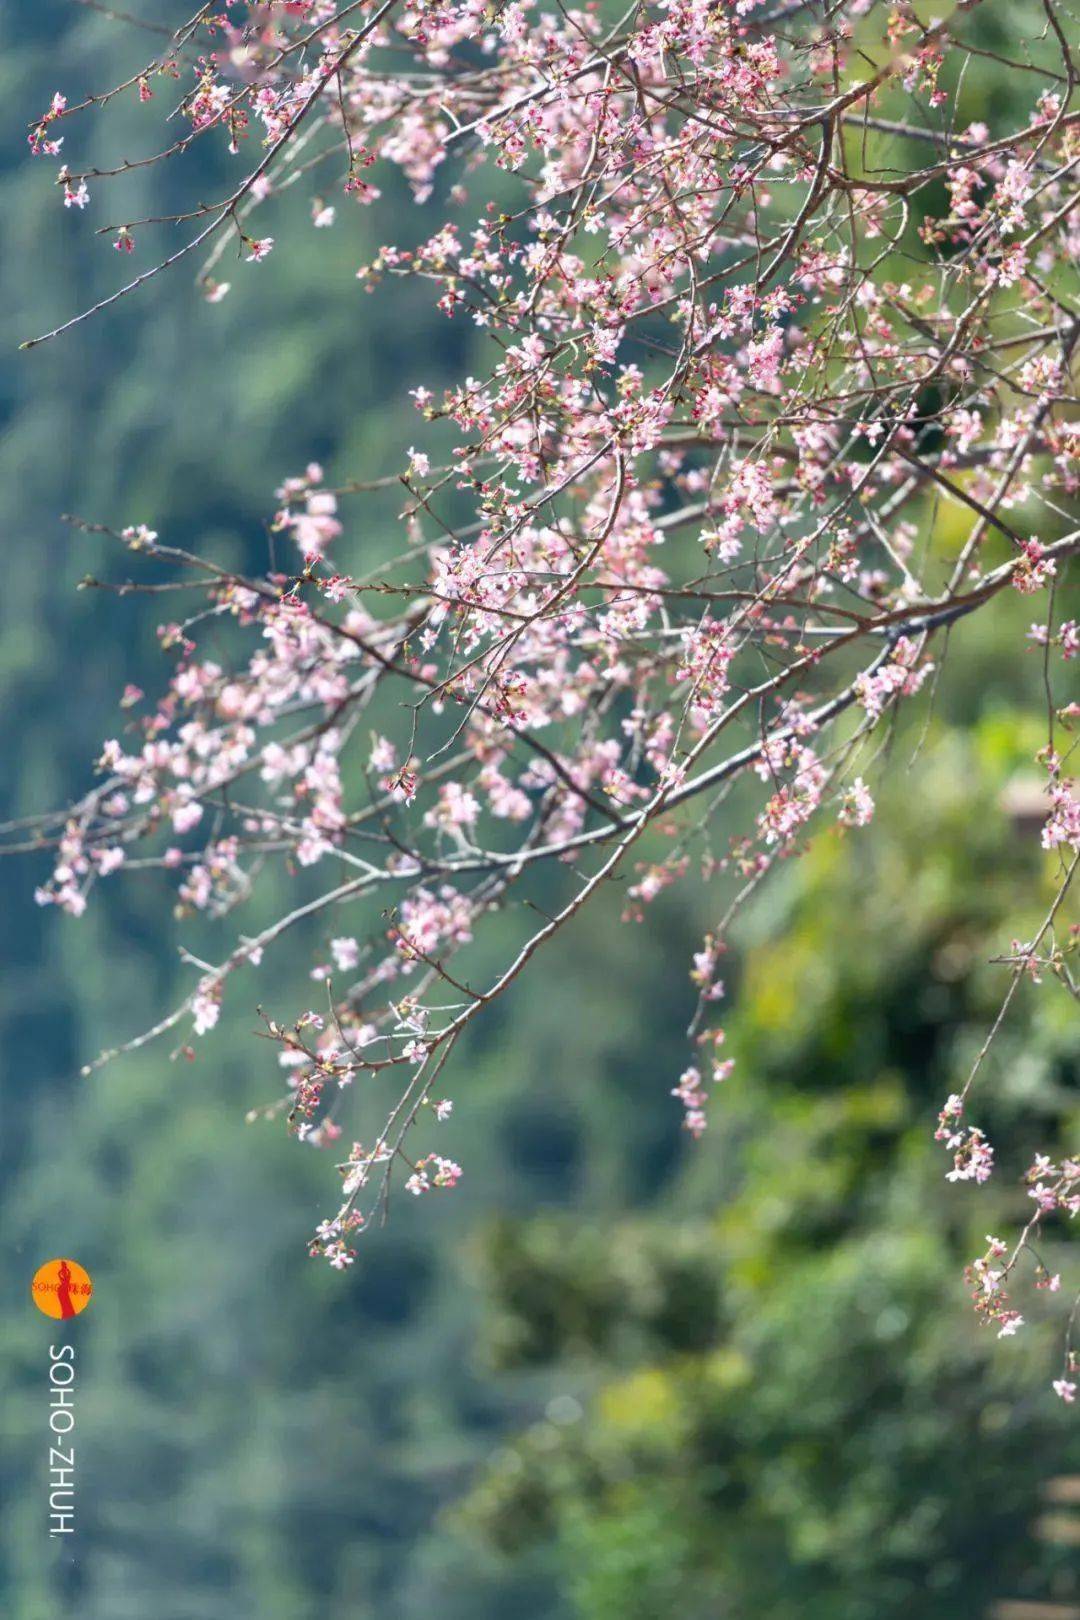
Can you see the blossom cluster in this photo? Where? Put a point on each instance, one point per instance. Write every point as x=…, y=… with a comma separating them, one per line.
x=685, y=533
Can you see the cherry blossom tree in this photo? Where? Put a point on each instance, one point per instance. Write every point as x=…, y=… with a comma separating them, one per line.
x=758, y=300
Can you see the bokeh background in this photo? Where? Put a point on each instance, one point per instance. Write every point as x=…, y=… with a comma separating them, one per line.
x=615, y=1376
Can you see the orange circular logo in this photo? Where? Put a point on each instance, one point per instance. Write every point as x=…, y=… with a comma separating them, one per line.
x=61, y=1288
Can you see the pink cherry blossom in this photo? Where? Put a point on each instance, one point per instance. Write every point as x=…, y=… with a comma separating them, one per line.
x=671, y=565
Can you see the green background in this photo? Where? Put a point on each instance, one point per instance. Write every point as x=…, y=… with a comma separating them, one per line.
x=614, y=1374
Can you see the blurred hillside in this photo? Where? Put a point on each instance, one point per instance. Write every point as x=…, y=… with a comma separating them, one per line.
x=614, y=1375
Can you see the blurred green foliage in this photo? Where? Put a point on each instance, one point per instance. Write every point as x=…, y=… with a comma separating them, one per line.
x=785, y=1408
x=743, y=1374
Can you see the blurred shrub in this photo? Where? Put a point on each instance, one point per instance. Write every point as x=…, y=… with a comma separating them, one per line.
x=786, y=1408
